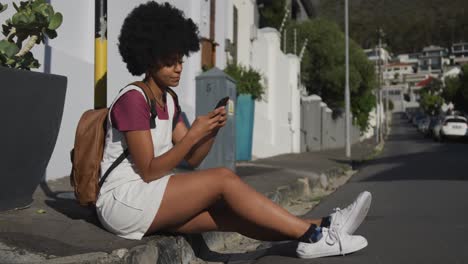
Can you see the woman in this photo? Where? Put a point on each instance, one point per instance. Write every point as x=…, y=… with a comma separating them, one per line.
x=142, y=195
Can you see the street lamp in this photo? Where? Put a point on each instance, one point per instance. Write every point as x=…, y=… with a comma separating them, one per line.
x=347, y=95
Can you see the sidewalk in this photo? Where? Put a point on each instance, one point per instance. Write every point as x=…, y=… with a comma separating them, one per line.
x=55, y=229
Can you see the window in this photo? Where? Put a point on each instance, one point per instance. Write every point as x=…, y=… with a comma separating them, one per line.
x=208, y=45
x=455, y=120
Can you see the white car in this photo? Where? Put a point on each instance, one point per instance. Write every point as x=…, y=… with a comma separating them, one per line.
x=451, y=126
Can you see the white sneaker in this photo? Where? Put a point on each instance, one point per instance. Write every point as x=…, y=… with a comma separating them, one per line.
x=332, y=243
x=348, y=220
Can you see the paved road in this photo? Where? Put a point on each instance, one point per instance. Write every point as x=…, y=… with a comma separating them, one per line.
x=419, y=212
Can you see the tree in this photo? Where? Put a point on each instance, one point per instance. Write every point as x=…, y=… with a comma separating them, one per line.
x=456, y=90
x=271, y=13
x=452, y=85
x=431, y=98
x=323, y=68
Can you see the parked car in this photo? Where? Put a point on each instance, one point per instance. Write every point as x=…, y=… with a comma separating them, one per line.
x=451, y=126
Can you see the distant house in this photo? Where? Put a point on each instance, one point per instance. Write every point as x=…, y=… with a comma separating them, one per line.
x=410, y=58
x=395, y=72
x=379, y=56
x=396, y=94
x=433, y=59
x=375, y=54
x=459, y=53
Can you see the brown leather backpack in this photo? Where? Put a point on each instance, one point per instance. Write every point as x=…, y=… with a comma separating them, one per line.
x=86, y=156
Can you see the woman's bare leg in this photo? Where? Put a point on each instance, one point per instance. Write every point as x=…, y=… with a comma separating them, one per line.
x=189, y=196
x=220, y=217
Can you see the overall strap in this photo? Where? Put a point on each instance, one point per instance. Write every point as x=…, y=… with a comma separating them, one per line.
x=177, y=107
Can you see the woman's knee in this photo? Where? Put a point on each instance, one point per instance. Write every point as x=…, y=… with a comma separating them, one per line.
x=227, y=176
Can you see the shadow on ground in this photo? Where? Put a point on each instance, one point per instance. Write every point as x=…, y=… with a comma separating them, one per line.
x=284, y=248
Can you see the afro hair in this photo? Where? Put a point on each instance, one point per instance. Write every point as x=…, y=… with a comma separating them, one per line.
x=153, y=33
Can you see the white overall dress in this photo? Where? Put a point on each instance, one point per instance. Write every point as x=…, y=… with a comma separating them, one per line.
x=126, y=205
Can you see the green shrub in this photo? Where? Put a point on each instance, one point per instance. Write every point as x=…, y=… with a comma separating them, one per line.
x=248, y=80
x=33, y=22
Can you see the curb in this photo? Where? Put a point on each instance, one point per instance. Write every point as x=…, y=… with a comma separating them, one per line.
x=161, y=249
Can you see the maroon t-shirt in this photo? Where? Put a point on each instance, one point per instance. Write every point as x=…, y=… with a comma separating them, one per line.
x=131, y=112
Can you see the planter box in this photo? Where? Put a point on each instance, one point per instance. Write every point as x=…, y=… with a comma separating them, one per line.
x=31, y=108
x=244, y=126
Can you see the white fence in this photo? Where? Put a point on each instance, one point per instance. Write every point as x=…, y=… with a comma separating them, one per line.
x=319, y=129
x=277, y=116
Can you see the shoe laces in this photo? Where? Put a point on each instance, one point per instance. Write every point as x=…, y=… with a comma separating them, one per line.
x=339, y=213
x=333, y=236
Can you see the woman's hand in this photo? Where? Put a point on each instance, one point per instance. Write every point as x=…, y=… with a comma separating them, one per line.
x=222, y=120
x=207, y=124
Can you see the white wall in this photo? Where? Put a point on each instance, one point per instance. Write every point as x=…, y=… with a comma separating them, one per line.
x=70, y=54
x=277, y=116
x=294, y=83
x=223, y=30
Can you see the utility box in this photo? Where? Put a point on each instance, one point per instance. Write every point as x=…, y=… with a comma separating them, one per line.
x=211, y=86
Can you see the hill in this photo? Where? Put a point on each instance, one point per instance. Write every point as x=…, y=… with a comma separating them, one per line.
x=409, y=25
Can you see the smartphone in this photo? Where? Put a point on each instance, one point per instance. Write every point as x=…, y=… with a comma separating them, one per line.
x=222, y=102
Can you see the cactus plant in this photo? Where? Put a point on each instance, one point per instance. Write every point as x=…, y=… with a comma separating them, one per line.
x=33, y=22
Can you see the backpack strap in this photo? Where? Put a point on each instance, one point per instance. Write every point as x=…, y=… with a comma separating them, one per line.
x=177, y=107
x=113, y=166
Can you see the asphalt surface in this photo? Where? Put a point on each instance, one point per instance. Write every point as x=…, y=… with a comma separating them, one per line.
x=419, y=211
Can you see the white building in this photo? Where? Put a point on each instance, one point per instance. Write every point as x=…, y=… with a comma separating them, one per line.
x=395, y=72
x=245, y=30
x=395, y=93
x=433, y=59
x=459, y=53
x=411, y=58
x=378, y=54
